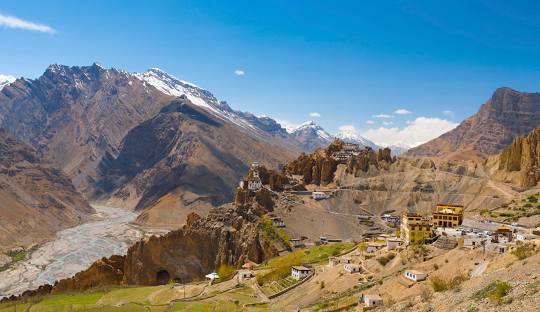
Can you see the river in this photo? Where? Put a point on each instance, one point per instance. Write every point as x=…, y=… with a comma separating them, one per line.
x=109, y=232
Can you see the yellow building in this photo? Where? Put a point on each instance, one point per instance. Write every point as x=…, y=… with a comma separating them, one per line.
x=415, y=228
x=447, y=215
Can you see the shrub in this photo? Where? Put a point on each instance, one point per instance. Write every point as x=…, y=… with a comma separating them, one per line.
x=523, y=251
x=383, y=260
x=272, y=232
x=494, y=291
x=440, y=284
x=225, y=271
x=532, y=199
x=426, y=295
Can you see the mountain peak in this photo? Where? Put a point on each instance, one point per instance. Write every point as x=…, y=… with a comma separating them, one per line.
x=5, y=80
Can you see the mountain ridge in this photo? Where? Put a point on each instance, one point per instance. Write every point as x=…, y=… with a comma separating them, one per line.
x=506, y=115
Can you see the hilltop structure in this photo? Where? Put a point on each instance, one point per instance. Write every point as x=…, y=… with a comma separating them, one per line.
x=253, y=181
x=447, y=215
x=347, y=151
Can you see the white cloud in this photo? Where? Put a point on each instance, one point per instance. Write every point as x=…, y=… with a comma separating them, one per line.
x=402, y=111
x=448, y=113
x=383, y=116
x=370, y=122
x=239, y=72
x=387, y=123
x=419, y=131
x=315, y=115
x=14, y=22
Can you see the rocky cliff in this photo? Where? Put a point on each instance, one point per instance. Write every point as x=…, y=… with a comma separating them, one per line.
x=506, y=115
x=519, y=162
x=36, y=200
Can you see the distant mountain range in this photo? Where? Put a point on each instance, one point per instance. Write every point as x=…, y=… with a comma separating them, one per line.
x=133, y=139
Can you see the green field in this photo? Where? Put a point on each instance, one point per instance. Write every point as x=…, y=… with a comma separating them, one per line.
x=168, y=297
x=279, y=268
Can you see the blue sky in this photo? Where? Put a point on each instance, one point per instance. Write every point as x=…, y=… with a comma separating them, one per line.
x=352, y=62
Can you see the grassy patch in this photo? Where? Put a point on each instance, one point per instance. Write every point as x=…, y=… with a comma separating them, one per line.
x=224, y=306
x=68, y=302
x=273, y=233
x=383, y=260
x=225, y=271
x=494, y=291
x=16, y=256
x=443, y=284
x=280, y=267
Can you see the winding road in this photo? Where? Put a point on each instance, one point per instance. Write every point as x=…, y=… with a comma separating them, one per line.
x=74, y=249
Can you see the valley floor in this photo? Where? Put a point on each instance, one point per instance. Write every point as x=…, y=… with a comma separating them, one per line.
x=110, y=232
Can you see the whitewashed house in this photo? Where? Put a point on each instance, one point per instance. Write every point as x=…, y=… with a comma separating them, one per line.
x=371, y=300
x=415, y=276
x=525, y=237
x=299, y=272
x=352, y=268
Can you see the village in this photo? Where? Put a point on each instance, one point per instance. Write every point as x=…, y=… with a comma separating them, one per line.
x=388, y=235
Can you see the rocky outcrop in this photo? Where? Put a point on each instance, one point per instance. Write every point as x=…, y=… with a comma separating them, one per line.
x=36, y=200
x=320, y=167
x=104, y=272
x=522, y=159
x=227, y=236
x=508, y=114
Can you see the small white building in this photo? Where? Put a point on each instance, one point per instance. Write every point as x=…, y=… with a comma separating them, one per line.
x=473, y=241
x=319, y=195
x=296, y=242
x=502, y=249
x=346, y=260
x=415, y=276
x=299, y=272
x=393, y=243
x=371, y=300
x=352, y=268
x=246, y=274
x=212, y=276
x=525, y=237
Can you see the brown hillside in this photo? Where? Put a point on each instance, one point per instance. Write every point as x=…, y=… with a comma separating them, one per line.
x=506, y=115
x=36, y=200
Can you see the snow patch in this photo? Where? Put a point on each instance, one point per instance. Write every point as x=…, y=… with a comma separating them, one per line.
x=5, y=80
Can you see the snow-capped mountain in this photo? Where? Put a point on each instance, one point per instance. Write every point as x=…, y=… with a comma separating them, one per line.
x=5, y=80
x=352, y=136
x=171, y=85
x=311, y=136
x=307, y=136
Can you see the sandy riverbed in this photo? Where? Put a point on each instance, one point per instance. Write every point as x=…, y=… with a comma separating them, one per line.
x=73, y=250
